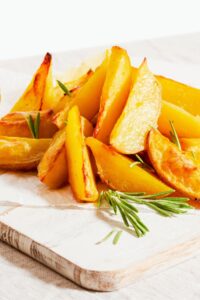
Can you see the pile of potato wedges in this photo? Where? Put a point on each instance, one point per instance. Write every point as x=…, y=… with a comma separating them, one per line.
x=95, y=132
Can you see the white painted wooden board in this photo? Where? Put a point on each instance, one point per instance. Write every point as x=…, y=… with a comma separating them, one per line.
x=65, y=239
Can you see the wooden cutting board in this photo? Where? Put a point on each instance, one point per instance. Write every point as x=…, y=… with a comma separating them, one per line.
x=64, y=239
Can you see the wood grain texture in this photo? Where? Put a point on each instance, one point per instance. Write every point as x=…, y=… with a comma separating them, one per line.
x=43, y=235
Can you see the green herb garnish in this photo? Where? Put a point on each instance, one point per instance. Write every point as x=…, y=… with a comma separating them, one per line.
x=64, y=88
x=34, y=126
x=106, y=237
x=122, y=203
x=174, y=136
x=143, y=163
x=117, y=237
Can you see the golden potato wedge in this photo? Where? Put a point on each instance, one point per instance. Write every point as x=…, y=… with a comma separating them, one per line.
x=115, y=170
x=32, y=98
x=179, y=94
x=15, y=124
x=52, y=169
x=80, y=171
x=175, y=167
x=17, y=153
x=87, y=98
x=140, y=113
x=60, y=99
x=114, y=94
x=186, y=124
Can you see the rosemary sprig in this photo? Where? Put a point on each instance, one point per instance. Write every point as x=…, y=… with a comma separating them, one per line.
x=174, y=136
x=122, y=203
x=142, y=162
x=64, y=88
x=34, y=126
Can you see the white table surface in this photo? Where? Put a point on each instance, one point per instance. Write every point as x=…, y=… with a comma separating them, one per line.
x=23, y=278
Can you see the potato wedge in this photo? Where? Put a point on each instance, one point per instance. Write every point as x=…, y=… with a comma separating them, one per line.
x=114, y=94
x=87, y=98
x=18, y=153
x=60, y=99
x=115, y=170
x=15, y=124
x=186, y=124
x=179, y=94
x=52, y=169
x=81, y=175
x=175, y=167
x=140, y=113
x=32, y=98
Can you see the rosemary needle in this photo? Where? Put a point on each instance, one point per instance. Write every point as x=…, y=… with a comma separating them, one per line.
x=174, y=136
x=117, y=237
x=106, y=237
x=64, y=88
x=34, y=126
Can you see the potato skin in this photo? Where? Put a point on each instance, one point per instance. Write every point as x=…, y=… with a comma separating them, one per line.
x=81, y=175
x=175, y=167
x=15, y=124
x=31, y=100
x=18, y=153
x=139, y=115
x=115, y=170
x=114, y=93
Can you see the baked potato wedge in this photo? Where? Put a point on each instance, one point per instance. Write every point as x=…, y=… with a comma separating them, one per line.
x=17, y=153
x=32, y=98
x=179, y=94
x=15, y=124
x=115, y=170
x=87, y=98
x=177, y=168
x=186, y=124
x=60, y=99
x=114, y=93
x=52, y=169
x=139, y=115
x=80, y=171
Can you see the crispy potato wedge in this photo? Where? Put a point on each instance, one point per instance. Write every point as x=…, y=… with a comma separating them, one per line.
x=115, y=170
x=114, y=94
x=15, y=124
x=186, y=124
x=52, y=169
x=80, y=171
x=175, y=167
x=32, y=98
x=87, y=98
x=179, y=94
x=60, y=99
x=17, y=153
x=140, y=113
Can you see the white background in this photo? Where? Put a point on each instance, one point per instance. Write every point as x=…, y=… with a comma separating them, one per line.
x=29, y=27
